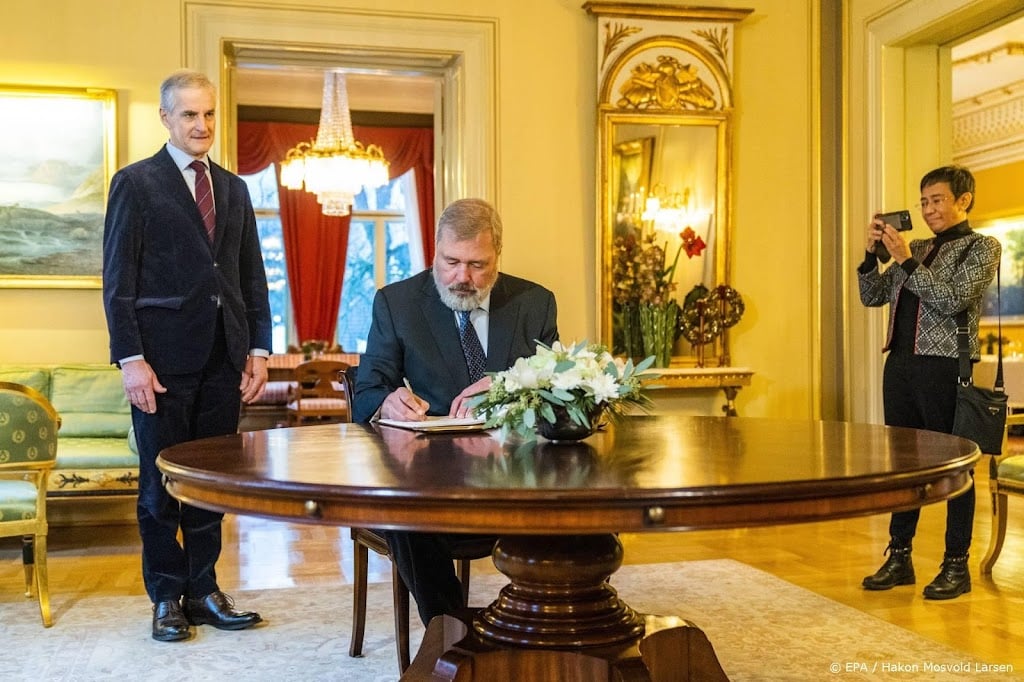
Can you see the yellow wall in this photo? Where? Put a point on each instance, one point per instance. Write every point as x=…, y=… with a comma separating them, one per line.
x=106, y=44
x=546, y=150
x=1000, y=192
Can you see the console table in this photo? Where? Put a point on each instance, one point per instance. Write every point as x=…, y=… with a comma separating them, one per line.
x=729, y=379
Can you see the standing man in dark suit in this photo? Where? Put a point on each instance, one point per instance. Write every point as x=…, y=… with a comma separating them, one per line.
x=440, y=330
x=185, y=295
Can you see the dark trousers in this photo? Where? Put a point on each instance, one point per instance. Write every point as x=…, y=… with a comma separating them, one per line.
x=919, y=391
x=424, y=561
x=194, y=406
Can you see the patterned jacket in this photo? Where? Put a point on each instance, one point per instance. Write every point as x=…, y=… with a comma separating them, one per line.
x=945, y=287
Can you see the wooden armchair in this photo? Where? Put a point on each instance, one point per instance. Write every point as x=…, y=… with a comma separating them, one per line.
x=321, y=392
x=364, y=539
x=1006, y=477
x=28, y=450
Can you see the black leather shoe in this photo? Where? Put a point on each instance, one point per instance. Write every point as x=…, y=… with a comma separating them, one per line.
x=953, y=579
x=217, y=609
x=898, y=569
x=169, y=623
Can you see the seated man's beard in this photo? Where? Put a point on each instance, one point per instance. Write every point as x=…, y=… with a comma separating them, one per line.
x=461, y=296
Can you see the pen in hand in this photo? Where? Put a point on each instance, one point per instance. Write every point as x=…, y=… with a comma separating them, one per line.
x=419, y=400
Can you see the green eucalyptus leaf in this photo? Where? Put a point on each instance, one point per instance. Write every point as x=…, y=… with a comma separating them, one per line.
x=563, y=394
x=564, y=366
x=645, y=363
x=550, y=397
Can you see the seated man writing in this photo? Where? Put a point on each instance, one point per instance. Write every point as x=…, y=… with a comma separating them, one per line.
x=441, y=330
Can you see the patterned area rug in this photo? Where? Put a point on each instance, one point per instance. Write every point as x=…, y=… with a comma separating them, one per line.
x=763, y=629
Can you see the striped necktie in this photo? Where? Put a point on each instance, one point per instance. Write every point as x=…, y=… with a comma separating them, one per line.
x=476, y=361
x=204, y=198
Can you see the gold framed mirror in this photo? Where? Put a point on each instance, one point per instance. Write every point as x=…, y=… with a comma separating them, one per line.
x=664, y=177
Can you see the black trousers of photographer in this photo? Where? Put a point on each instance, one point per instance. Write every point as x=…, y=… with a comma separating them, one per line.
x=919, y=391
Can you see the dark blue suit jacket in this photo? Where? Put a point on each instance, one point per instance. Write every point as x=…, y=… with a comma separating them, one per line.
x=414, y=335
x=163, y=280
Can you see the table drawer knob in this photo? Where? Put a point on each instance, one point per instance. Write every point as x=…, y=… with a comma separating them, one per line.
x=312, y=508
x=655, y=516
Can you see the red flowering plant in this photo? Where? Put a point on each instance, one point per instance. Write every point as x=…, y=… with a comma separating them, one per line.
x=692, y=243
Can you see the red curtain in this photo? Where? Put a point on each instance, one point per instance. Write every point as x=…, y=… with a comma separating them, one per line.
x=315, y=245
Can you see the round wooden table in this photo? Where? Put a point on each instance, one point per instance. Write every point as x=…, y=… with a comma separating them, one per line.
x=557, y=509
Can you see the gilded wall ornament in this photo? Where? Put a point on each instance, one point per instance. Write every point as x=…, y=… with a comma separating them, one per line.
x=613, y=35
x=668, y=85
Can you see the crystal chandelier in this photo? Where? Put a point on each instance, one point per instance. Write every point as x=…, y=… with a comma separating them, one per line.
x=335, y=167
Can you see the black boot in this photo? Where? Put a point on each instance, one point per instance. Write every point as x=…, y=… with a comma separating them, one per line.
x=954, y=579
x=898, y=569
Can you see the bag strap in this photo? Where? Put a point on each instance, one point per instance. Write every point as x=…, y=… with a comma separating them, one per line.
x=963, y=333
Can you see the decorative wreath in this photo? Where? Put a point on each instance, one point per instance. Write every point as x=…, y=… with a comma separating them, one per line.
x=717, y=309
x=730, y=304
x=694, y=311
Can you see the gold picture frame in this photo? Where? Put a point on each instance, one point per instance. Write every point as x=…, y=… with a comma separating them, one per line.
x=58, y=152
x=631, y=179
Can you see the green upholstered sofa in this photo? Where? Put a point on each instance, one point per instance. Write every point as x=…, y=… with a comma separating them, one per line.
x=96, y=456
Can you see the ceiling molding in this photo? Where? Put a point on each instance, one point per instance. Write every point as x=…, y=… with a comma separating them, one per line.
x=988, y=97
x=988, y=130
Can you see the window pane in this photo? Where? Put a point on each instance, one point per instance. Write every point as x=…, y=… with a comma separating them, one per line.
x=358, y=289
x=263, y=188
x=272, y=245
x=361, y=278
x=398, y=267
x=389, y=197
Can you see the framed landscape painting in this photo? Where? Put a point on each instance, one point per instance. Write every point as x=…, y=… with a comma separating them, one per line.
x=57, y=155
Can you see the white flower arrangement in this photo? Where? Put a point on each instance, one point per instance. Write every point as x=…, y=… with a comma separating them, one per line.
x=581, y=381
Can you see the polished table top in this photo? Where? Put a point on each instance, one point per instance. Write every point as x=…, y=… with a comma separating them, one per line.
x=645, y=474
x=559, y=618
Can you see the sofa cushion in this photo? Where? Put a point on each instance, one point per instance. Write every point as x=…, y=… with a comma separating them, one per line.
x=1012, y=468
x=94, y=424
x=17, y=501
x=27, y=375
x=95, y=453
x=91, y=401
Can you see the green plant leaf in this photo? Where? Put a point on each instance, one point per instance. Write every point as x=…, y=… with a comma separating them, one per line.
x=563, y=394
x=551, y=397
x=645, y=363
x=529, y=418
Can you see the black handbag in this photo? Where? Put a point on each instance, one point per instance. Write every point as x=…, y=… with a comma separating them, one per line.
x=980, y=412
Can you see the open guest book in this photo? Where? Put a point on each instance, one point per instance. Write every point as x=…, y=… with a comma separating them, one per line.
x=437, y=424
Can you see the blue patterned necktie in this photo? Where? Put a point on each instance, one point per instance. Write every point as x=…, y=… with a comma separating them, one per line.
x=476, y=361
x=204, y=198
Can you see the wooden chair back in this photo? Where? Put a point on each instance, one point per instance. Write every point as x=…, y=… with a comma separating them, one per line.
x=321, y=392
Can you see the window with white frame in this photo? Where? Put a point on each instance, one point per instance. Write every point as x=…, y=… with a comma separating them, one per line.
x=384, y=246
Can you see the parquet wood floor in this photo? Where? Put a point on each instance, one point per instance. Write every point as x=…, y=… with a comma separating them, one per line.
x=827, y=558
